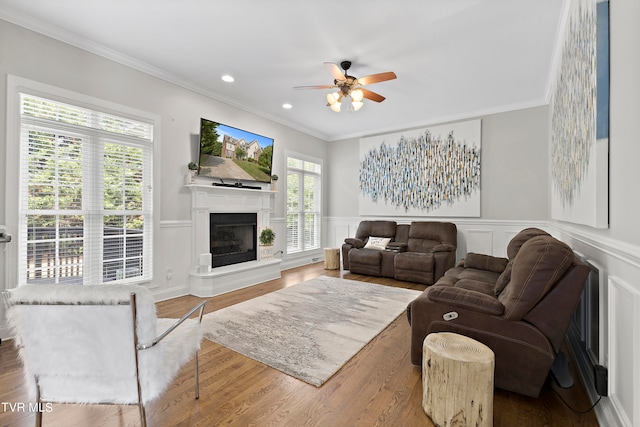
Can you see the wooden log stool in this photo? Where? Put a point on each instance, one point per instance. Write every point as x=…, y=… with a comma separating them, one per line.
x=457, y=380
x=332, y=258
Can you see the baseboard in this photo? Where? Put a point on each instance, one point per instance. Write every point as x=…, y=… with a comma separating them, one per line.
x=175, y=292
x=604, y=410
x=5, y=333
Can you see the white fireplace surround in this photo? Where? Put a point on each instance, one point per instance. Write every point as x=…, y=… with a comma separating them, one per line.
x=207, y=199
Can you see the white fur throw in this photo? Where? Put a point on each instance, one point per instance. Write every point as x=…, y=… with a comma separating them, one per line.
x=78, y=341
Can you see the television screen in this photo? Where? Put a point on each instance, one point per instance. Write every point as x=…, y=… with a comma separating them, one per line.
x=234, y=154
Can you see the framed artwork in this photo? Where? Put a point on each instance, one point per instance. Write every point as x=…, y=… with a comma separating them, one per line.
x=580, y=119
x=433, y=171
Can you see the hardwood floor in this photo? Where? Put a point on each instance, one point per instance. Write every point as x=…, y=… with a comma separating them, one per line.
x=378, y=387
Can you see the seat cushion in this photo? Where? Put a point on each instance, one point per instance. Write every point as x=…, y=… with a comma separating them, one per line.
x=479, y=275
x=477, y=286
x=366, y=261
x=414, y=261
x=364, y=256
x=414, y=267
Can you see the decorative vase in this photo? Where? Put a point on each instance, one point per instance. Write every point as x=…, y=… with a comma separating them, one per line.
x=266, y=252
x=191, y=178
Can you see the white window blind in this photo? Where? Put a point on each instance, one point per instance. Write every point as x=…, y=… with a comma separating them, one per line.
x=85, y=195
x=304, y=189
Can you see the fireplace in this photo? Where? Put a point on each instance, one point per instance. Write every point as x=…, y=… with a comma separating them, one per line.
x=232, y=238
x=207, y=199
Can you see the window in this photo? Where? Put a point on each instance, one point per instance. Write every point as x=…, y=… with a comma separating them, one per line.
x=304, y=189
x=85, y=195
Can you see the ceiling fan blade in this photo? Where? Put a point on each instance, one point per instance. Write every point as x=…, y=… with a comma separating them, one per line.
x=334, y=70
x=372, y=95
x=314, y=87
x=377, y=78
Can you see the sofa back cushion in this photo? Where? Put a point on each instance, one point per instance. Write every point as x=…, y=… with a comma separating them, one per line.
x=519, y=239
x=539, y=264
x=424, y=235
x=402, y=233
x=376, y=228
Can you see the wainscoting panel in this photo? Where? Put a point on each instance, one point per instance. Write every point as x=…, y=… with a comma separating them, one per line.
x=341, y=230
x=624, y=348
x=172, y=259
x=479, y=241
x=482, y=236
x=619, y=266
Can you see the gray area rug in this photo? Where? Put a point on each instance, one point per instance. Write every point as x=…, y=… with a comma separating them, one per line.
x=309, y=330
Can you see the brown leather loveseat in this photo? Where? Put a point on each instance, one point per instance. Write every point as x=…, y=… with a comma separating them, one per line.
x=419, y=252
x=519, y=306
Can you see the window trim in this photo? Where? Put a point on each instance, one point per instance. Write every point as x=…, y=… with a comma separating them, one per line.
x=15, y=87
x=311, y=159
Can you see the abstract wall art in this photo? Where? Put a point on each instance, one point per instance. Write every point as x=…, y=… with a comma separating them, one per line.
x=432, y=171
x=580, y=118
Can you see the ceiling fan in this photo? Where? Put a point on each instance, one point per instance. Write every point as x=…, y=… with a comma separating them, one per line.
x=349, y=86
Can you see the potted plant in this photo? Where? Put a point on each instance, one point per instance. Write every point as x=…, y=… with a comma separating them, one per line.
x=193, y=169
x=266, y=238
x=274, y=179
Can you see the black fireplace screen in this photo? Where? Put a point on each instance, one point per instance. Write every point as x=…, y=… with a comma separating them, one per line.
x=233, y=238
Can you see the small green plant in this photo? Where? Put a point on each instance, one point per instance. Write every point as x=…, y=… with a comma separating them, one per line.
x=193, y=166
x=274, y=177
x=267, y=236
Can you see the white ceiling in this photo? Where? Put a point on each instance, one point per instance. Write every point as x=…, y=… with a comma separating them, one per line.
x=454, y=58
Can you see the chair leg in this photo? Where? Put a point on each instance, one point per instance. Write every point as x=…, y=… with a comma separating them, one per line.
x=197, y=377
x=38, y=411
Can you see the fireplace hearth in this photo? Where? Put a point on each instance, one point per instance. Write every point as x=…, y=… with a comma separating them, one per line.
x=232, y=238
x=207, y=199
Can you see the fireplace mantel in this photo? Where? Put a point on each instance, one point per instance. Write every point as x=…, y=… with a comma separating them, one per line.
x=206, y=199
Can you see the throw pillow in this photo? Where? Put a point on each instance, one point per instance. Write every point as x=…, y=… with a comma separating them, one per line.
x=379, y=243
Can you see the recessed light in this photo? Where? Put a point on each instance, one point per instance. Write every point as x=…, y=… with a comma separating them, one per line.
x=227, y=78
x=287, y=106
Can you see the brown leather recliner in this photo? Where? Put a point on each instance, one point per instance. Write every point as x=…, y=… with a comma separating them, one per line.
x=372, y=262
x=519, y=307
x=419, y=252
x=431, y=251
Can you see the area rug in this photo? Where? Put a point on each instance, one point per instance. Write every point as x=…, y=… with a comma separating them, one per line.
x=309, y=330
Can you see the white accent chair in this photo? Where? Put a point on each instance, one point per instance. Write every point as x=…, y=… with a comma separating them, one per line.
x=78, y=344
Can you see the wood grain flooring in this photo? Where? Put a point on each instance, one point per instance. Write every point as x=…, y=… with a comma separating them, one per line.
x=378, y=387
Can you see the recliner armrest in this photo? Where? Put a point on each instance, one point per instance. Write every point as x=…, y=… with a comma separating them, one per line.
x=444, y=247
x=485, y=262
x=355, y=242
x=465, y=298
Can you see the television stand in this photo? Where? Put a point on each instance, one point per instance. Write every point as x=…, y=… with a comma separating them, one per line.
x=236, y=185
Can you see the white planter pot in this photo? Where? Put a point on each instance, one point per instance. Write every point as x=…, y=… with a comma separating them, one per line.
x=266, y=252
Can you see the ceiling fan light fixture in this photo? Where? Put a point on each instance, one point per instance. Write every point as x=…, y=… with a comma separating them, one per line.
x=332, y=98
x=349, y=87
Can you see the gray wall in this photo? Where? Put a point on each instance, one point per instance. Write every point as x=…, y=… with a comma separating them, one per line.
x=514, y=177
x=36, y=57
x=33, y=56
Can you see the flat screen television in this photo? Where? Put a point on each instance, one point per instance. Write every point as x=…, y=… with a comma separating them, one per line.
x=233, y=154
